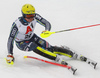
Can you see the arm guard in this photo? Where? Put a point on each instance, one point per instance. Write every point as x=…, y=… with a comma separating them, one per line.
x=43, y=22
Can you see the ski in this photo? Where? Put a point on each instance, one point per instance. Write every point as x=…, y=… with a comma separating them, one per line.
x=82, y=58
x=72, y=70
x=69, y=67
x=92, y=63
x=89, y=61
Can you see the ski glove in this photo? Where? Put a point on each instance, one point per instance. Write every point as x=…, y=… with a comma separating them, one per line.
x=10, y=59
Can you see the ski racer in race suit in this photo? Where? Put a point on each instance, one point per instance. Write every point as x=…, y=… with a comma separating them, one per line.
x=22, y=32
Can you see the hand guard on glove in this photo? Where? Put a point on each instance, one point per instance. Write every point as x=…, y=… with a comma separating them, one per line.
x=44, y=31
x=10, y=59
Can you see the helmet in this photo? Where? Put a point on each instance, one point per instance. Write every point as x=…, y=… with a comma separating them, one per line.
x=27, y=9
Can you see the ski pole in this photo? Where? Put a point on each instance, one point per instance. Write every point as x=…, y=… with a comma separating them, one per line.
x=57, y=64
x=48, y=33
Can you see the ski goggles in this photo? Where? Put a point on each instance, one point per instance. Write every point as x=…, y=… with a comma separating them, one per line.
x=28, y=16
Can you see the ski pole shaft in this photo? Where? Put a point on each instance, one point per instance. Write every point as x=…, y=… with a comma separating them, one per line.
x=48, y=33
x=77, y=28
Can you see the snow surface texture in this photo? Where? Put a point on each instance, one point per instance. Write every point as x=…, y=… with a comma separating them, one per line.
x=62, y=14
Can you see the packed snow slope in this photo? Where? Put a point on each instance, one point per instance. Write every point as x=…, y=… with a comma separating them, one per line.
x=62, y=14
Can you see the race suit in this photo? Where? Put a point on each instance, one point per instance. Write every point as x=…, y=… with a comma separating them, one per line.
x=22, y=32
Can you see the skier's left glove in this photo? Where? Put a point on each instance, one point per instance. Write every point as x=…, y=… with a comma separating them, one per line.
x=10, y=59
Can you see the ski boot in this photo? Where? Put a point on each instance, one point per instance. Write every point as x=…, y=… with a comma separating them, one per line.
x=59, y=60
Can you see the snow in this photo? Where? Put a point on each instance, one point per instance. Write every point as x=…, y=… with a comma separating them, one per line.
x=62, y=14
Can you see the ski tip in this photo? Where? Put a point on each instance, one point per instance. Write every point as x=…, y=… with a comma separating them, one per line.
x=95, y=66
x=25, y=56
x=74, y=71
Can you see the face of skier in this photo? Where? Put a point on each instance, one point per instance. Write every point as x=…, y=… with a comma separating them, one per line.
x=29, y=17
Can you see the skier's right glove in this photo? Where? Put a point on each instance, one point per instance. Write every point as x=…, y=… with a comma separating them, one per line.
x=10, y=59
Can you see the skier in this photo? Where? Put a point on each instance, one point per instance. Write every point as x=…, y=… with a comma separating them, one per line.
x=22, y=32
